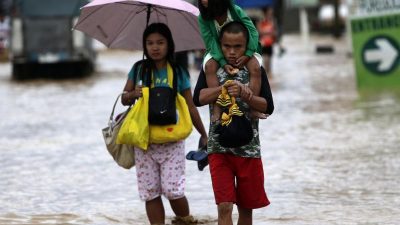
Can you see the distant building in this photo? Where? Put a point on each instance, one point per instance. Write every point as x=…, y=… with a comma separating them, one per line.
x=5, y=7
x=4, y=31
x=42, y=43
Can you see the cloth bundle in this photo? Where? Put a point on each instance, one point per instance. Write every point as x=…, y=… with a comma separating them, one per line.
x=235, y=129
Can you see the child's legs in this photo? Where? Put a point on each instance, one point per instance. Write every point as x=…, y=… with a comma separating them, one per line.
x=245, y=216
x=180, y=207
x=155, y=211
x=173, y=177
x=148, y=179
x=147, y=172
x=254, y=68
x=211, y=67
x=172, y=170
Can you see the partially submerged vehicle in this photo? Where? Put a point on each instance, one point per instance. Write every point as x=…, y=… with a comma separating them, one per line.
x=43, y=43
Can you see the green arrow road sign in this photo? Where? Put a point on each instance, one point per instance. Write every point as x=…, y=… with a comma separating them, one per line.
x=380, y=55
x=376, y=48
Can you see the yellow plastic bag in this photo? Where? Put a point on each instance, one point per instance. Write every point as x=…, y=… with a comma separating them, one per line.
x=174, y=132
x=135, y=129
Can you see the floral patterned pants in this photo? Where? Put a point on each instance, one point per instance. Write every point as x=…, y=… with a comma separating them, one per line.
x=161, y=171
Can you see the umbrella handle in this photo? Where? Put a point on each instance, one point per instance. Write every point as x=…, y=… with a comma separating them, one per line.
x=148, y=14
x=147, y=19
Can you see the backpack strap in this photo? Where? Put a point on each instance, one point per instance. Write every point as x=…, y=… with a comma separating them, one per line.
x=137, y=68
x=175, y=79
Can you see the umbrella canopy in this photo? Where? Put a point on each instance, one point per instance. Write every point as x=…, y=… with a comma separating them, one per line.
x=254, y=3
x=120, y=23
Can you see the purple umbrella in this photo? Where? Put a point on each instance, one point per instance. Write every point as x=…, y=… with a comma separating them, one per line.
x=120, y=23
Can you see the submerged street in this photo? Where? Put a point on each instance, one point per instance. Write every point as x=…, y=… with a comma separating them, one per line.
x=331, y=153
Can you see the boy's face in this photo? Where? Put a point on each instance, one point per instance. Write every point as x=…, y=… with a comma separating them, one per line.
x=233, y=46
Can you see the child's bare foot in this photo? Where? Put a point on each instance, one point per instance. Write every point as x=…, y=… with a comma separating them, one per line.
x=257, y=115
x=231, y=70
x=187, y=220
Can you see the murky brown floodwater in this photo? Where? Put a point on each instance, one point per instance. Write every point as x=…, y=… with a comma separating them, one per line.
x=331, y=155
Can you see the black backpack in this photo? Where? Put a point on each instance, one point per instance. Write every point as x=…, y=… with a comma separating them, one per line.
x=162, y=102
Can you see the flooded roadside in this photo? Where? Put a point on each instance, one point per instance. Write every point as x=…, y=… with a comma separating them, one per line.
x=333, y=151
x=331, y=155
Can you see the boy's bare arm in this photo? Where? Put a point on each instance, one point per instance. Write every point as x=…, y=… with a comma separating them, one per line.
x=209, y=95
x=255, y=102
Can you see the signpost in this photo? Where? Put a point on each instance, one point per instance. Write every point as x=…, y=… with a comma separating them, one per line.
x=376, y=6
x=301, y=3
x=376, y=50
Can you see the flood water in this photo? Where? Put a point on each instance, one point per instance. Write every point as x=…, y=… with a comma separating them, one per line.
x=331, y=154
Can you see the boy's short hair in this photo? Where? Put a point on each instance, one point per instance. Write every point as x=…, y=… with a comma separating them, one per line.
x=234, y=27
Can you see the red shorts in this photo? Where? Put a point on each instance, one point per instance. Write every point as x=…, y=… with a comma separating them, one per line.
x=248, y=191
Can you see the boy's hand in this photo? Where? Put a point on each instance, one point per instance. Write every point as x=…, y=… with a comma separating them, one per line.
x=241, y=61
x=258, y=115
x=234, y=88
x=230, y=69
x=246, y=94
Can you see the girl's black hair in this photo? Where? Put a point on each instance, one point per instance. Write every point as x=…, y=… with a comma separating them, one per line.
x=215, y=8
x=160, y=28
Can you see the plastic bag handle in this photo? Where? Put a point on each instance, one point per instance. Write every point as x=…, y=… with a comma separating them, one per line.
x=115, y=103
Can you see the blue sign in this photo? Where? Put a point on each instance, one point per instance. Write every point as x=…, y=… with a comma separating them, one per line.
x=255, y=3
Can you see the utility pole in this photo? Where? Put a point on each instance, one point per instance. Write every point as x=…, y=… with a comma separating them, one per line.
x=336, y=26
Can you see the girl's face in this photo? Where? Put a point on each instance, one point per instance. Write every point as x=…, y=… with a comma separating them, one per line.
x=156, y=46
x=204, y=3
